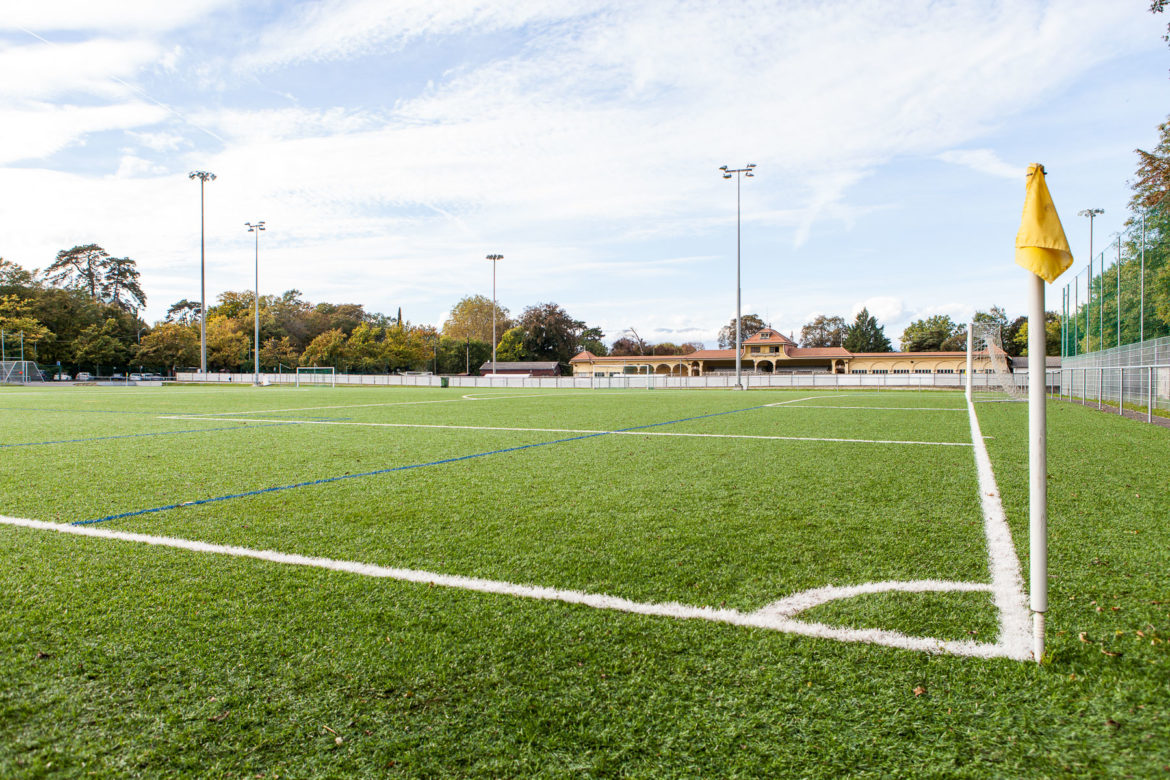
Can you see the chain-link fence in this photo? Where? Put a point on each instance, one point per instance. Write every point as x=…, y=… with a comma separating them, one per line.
x=1120, y=297
x=1133, y=376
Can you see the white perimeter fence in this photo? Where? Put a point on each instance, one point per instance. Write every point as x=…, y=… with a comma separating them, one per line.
x=622, y=382
x=1134, y=374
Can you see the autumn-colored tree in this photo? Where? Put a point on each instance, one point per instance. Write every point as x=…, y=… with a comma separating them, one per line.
x=824, y=331
x=749, y=323
x=228, y=346
x=472, y=318
x=169, y=346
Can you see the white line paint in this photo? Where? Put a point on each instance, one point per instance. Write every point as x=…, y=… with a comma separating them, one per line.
x=767, y=618
x=568, y=430
x=884, y=408
x=1007, y=586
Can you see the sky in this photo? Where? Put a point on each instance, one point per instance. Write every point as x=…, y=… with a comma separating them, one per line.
x=390, y=145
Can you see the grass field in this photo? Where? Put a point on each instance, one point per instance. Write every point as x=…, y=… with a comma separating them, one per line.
x=571, y=583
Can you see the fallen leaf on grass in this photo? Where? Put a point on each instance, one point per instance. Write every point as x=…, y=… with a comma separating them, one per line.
x=1111, y=655
x=1081, y=636
x=919, y=690
x=221, y=717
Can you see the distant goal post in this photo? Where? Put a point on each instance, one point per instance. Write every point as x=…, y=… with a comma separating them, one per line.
x=316, y=375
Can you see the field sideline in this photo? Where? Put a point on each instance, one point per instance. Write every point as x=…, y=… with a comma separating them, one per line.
x=560, y=583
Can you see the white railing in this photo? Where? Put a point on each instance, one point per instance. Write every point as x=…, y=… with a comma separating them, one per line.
x=621, y=382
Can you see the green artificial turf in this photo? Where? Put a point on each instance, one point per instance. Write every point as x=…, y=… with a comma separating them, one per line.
x=123, y=660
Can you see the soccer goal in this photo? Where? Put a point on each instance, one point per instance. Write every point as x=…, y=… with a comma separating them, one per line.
x=987, y=337
x=316, y=375
x=20, y=372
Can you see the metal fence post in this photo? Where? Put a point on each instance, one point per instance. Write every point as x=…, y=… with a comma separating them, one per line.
x=1121, y=391
x=1100, y=386
x=1150, y=398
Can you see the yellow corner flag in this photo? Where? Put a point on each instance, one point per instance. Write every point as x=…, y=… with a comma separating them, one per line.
x=1040, y=245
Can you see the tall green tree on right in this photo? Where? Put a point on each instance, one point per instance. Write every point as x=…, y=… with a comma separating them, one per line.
x=865, y=335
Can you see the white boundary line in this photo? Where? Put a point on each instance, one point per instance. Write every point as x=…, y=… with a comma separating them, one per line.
x=885, y=408
x=770, y=617
x=565, y=430
x=1007, y=585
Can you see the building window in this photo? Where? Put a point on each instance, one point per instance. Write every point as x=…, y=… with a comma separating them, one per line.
x=755, y=350
x=922, y=371
x=861, y=371
x=765, y=335
x=945, y=371
x=900, y=371
x=773, y=349
x=881, y=371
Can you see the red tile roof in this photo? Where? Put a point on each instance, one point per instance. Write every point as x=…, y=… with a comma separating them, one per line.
x=802, y=352
x=774, y=336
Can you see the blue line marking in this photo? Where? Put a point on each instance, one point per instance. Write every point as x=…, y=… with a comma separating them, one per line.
x=134, y=435
x=72, y=411
x=327, y=480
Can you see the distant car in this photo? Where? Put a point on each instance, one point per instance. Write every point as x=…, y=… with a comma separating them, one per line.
x=62, y=378
x=117, y=376
x=152, y=377
x=136, y=377
x=84, y=376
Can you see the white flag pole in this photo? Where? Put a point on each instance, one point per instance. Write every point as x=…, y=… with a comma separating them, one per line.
x=970, y=358
x=1038, y=463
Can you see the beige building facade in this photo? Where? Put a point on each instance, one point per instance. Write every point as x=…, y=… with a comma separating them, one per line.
x=771, y=352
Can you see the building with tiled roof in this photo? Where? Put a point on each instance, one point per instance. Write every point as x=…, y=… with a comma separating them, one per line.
x=769, y=351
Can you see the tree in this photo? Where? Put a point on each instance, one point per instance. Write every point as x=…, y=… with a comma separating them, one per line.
x=625, y=347
x=824, y=331
x=549, y=333
x=511, y=347
x=169, y=345
x=928, y=335
x=750, y=324
x=227, y=344
x=13, y=275
x=363, y=349
x=472, y=318
x=98, y=345
x=328, y=349
x=1051, y=335
x=120, y=284
x=865, y=335
x=457, y=356
x=273, y=353
x=591, y=339
x=16, y=317
x=79, y=268
x=183, y=312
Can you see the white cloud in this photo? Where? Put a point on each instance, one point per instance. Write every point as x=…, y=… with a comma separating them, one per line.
x=39, y=72
x=59, y=15
x=984, y=161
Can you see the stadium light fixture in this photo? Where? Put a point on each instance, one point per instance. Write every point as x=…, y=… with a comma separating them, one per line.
x=256, y=300
x=494, y=258
x=739, y=173
x=203, y=177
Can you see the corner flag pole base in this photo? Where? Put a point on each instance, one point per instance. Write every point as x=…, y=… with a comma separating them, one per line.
x=1038, y=636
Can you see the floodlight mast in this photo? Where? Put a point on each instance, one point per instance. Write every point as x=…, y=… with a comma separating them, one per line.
x=1092, y=214
x=203, y=177
x=494, y=258
x=256, y=341
x=739, y=174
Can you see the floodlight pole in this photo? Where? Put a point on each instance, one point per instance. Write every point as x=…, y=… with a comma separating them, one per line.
x=203, y=177
x=1092, y=214
x=494, y=258
x=739, y=174
x=256, y=342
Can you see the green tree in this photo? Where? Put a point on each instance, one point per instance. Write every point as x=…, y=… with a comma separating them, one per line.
x=511, y=347
x=14, y=276
x=824, y=331
x=183, y=312
x=120, y=284
x=169, y=345
x=458, y=356
x=865, y=335
x=471, y=318
x=750, y=324
x=549, y=333
x=928, y=335
x=80, y=268
x=98, y=346
x=1051, y=335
